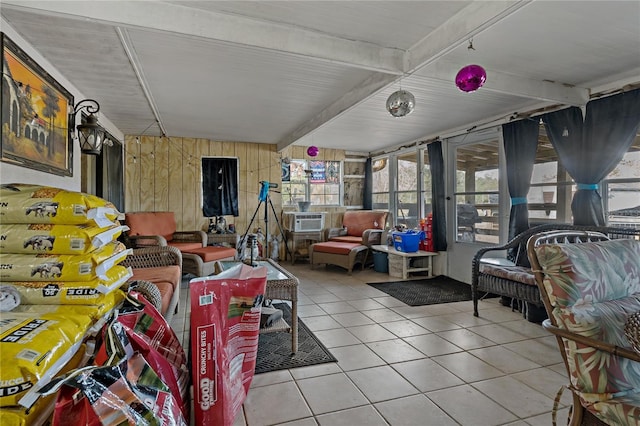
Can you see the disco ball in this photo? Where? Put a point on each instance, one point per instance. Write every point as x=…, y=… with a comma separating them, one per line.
x=312, y=151
x=471, y=78
x=401, y=103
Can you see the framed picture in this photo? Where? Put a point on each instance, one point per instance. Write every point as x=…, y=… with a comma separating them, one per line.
x=34, y=115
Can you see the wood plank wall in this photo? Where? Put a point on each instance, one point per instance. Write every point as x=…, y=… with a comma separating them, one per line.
x=164, y=174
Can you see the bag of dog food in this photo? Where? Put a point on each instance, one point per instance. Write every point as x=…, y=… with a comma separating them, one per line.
x=25, y=203
x=140, y=327
x=40, y=412
x=55, y=239
x=225, y=322
x=62, y=267
x=128, y=393
x=93, y=292
x=35, y=346
x=121, y=342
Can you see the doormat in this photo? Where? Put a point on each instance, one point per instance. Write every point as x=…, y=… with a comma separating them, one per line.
x=274, y=349
x=432, y=291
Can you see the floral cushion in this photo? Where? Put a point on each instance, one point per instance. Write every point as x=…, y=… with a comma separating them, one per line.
x=593, y=288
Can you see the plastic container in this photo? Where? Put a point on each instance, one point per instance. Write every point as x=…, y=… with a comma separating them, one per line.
x=380, y=262
x=407, y=242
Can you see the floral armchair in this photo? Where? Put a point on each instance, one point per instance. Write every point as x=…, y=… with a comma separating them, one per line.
x=590, y=286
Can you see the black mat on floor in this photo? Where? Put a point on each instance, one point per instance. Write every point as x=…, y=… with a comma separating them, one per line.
x=431, y=291
x=274, y=349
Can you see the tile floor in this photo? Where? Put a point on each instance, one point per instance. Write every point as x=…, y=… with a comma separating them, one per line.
x=402, y=365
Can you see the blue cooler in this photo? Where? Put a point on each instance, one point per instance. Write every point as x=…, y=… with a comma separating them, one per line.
x=407, y=242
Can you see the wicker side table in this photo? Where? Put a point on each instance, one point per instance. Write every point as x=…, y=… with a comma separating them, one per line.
x=281, y=285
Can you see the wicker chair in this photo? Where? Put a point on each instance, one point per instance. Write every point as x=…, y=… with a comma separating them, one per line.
x=589, y=286
x=511, y=276
x=161, y=265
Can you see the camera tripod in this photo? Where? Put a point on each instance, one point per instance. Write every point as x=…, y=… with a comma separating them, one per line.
x=263, y=197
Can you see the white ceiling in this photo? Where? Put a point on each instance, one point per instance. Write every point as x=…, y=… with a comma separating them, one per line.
x=319, y=72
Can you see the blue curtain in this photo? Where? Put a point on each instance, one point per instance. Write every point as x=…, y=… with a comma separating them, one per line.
x=219, y=186
x=436, y=164
x=591, y=148
x=520, y=144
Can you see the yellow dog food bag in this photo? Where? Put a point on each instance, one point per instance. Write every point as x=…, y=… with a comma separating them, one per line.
x=25, y=203
x=55, y=239
x=35, y=346
x=91, y=292
x=40, y=412
x=62, y=267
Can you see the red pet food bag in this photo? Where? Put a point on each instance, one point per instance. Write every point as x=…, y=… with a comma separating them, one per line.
x=225, y=322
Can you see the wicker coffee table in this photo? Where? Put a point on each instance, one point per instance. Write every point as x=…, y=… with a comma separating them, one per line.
x=281, y=285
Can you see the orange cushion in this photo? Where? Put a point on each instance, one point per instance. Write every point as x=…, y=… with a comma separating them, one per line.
x=167, y=294
x=188, y=246
x=335, y=247
x=348, y=239
x=357, y=221
x=212, y=253
x=170, y=274
x=166, y=278
x=151, y=223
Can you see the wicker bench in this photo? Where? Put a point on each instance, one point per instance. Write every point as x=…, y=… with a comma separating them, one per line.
x=511, y=276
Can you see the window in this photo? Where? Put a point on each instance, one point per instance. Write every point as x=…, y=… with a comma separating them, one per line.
x=380, y=194
x=426, y=184
x=477, y=192
x=549, y=198
x=407, y=190
x=621, y=190
x=315, y=181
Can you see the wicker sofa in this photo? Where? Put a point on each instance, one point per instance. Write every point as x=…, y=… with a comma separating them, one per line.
x=511, y=276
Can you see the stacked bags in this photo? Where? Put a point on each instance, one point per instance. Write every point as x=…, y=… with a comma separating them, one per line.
x=139, y=374
x=59, y=277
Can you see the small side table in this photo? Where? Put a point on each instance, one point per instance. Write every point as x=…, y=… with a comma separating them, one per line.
x=281, y=285
x=404, y=260
x=231, y=239
x=301, y=240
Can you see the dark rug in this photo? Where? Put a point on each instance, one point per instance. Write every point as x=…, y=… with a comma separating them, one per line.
x=431, y=291
x=274, y=349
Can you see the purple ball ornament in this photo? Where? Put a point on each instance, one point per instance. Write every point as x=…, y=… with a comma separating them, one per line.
x=312, y=151
x=471, y=78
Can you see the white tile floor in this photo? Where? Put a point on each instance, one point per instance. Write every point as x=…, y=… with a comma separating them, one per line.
x=402, y=365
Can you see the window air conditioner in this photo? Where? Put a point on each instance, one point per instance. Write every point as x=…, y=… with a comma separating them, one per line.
x=303, y=221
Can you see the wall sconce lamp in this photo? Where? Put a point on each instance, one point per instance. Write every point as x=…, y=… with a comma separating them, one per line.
x=90, y=134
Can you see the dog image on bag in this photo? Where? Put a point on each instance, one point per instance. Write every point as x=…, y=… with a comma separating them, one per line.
x=48, y=269
x=40, y=242
x=49, y=208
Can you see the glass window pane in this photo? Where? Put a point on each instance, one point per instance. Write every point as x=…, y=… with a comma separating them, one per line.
x=477, y=192
x=426, y=184
x=297, y=171
x=624, y=204
x=408, y=213
x=407, y=172
x=381, y=201
x=381, y=175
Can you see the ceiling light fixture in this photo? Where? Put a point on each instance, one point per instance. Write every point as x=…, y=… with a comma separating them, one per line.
x=90, y=134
